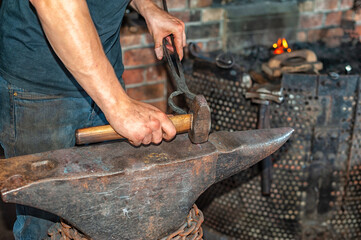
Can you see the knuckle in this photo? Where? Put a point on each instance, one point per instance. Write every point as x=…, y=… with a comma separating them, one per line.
x=180, y=27
x=147, y=131
x=180, y=23
x=156, y=124
x=163, y=116
x=138, y=138
x=173, y=132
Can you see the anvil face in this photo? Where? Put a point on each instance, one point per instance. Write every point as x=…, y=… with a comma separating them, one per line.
x=116, y=191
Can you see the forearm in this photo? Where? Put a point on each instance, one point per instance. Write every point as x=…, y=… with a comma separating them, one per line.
x=141, y=6
x=72, y=34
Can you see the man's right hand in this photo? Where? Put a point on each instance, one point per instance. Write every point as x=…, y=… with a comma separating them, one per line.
x=73, y=36
x=141, y=123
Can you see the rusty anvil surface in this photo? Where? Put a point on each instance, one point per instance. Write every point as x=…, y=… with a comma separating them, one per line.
x=116, y=191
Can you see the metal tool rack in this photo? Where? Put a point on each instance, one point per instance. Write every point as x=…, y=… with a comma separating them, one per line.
x=316, y=183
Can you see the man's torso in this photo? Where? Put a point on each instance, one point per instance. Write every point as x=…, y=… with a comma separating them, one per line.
x=27, y=59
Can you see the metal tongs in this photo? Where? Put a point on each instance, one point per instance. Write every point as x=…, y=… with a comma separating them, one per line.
x=177, y=73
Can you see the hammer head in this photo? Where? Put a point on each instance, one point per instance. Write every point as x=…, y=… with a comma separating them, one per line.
x=201, y=122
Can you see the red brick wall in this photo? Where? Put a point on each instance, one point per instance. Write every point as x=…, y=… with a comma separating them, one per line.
x=146, y=77
x=321, y=20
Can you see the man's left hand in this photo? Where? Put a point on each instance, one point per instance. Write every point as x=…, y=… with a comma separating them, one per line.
x=160, y=25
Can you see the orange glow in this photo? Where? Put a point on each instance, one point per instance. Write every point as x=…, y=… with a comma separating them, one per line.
x=278, y=51
x=281, y=46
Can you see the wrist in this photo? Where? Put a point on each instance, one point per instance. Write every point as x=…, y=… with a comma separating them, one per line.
x=143, y=7
x=114, y=102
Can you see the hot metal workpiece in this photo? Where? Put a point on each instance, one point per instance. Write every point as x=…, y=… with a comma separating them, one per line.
x=116, y=191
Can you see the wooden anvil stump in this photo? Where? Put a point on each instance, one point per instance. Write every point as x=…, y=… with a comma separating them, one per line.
x=117, y=191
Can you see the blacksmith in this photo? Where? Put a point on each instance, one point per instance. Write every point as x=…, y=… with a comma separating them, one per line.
x=60, y=70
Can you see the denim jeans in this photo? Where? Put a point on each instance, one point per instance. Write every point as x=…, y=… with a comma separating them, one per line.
x=33, y=122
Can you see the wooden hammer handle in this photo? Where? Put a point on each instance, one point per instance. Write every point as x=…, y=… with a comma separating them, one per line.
x=182, y=123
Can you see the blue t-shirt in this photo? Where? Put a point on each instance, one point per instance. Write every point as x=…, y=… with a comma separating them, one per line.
x=27, y=59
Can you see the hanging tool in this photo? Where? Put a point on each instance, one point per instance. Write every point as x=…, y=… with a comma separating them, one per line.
x=263, y=95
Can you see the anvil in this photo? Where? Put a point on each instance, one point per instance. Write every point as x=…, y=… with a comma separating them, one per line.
x=117, y=191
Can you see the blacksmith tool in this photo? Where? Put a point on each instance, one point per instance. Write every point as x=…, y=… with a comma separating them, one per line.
x=197, y=123
x=263, y=94
x=296, y=61
x=197, y=104
x=223, y=60
x=116, y=191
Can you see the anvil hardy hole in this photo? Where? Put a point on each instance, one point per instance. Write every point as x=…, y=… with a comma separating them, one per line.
x=43, y=165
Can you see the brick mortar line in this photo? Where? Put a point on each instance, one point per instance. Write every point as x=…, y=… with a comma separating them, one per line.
x=135, y=85
x=204, y=39
x=319, y=28
x=144, y=66
x=197, y=23
x=324, y=11
x=151, y=45
x=154, y=100
x=203, y=8
x=178, y=9
x=262, y=31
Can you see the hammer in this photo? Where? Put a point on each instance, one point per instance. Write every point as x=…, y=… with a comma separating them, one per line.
x=263, y=95
x=197, y=123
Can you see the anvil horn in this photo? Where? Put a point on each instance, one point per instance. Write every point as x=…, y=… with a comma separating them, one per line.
x=116, y=191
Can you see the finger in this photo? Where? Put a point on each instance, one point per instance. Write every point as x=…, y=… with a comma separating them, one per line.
x=178, y=41
x=169, y=44
x=158, y=49
x=184, y=39
x=179, y=47
x=143, y=135
x=159, y=52
x=135, y=143
x=157, y=136
x=147, y=139
x=169, y=40
x=168, y=129
x=154, y=124
x=170, y=48
x=136, y=140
